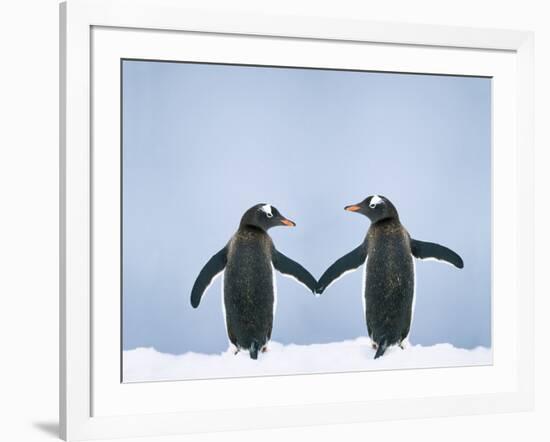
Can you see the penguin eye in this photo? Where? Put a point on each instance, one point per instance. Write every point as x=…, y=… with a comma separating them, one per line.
x=375, y=200
x=269, y=215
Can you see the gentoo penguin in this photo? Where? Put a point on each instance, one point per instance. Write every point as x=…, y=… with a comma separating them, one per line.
x=388, y=281
x=249, y=290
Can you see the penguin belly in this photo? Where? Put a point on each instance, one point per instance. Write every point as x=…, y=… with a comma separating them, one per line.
x=249, y=296
x=389, y=291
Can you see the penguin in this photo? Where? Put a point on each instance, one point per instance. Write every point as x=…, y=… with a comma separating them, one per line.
x=386, y=254
x=248, y=262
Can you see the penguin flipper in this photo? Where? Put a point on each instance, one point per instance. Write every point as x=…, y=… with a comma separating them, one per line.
x=287, y=266
x=213, y=268
x=346, y=263
x=426, y=250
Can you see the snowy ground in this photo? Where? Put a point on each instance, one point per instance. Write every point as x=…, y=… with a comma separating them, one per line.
x=147, y=364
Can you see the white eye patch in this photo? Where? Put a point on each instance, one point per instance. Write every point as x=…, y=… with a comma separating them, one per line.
x=375, y=200
x=267, y=209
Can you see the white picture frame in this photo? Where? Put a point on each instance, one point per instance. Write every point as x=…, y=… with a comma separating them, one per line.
x=93, y=402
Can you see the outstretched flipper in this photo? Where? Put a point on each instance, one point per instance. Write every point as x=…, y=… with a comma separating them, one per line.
x=426, y=250
x=213, y=268
x=287, y=266
x=346, y=263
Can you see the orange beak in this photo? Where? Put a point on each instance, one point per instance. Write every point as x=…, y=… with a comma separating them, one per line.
x=288, y=223
x=352, y=208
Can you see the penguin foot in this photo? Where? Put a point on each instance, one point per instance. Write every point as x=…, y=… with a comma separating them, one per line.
x=265, y=349
x=236, y=350
x=374, y=345
x=403, y=344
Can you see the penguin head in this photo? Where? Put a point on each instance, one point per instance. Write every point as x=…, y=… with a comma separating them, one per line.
x=264, y=216
x=375, y=207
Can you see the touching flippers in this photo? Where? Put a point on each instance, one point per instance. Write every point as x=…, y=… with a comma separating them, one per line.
x=345, y=264
x=287, y=266
x=213, y=268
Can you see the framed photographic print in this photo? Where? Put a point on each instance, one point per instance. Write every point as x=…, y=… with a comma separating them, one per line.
x=256, y=211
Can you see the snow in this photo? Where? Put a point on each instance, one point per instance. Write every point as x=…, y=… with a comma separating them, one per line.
x=147, y=364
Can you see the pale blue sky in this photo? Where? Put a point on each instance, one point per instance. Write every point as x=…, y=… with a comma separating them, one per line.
x=202, y=143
